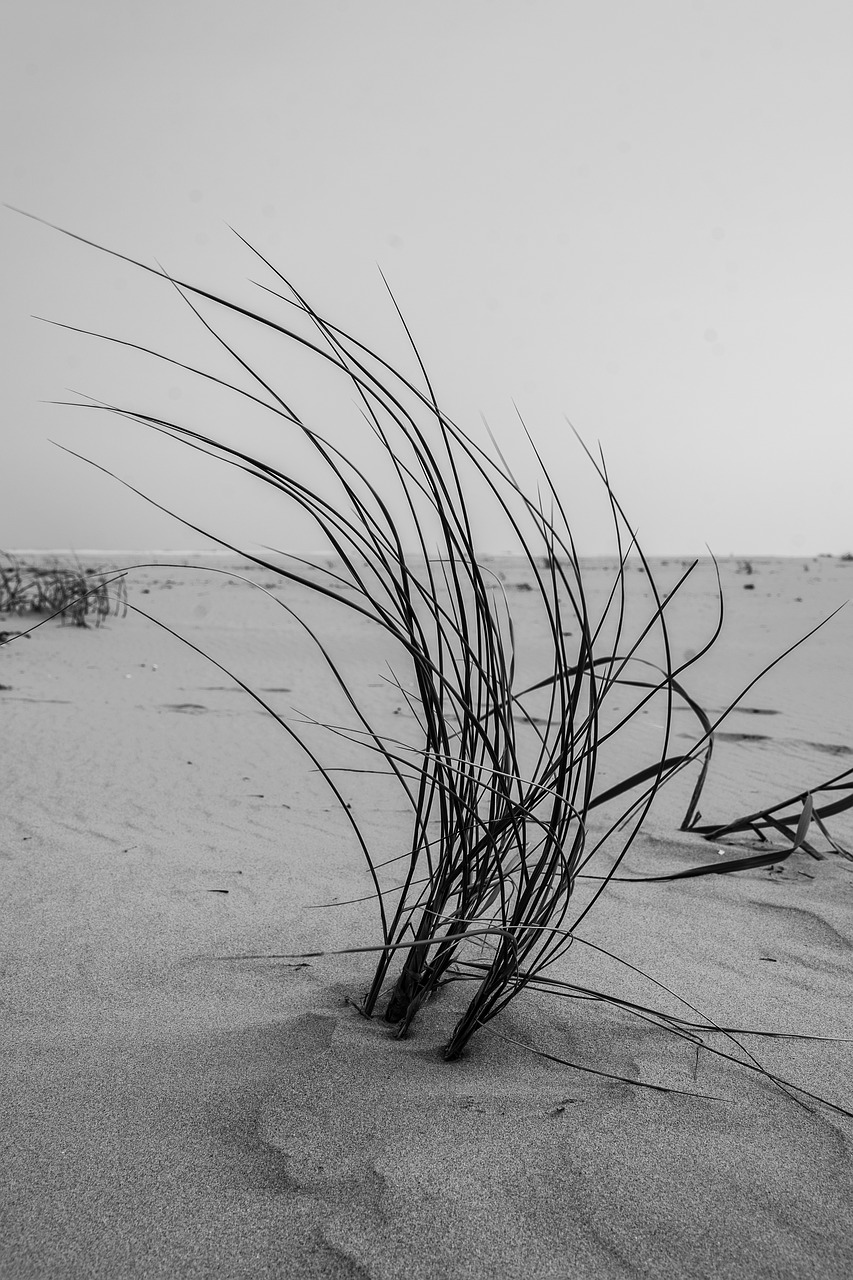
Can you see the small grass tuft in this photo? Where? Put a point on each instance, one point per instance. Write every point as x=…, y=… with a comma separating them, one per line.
x=69, y=591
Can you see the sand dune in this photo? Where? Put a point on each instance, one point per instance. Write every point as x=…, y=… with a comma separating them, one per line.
x=171, y=1112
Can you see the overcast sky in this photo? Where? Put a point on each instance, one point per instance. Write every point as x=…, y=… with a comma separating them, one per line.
x=632, y=213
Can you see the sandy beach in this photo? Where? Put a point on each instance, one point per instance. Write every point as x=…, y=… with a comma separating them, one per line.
x=170, y=1111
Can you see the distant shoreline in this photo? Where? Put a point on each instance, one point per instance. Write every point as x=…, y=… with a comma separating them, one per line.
x=160, y=553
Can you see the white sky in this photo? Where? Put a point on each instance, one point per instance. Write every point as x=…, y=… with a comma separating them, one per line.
x=636, y=213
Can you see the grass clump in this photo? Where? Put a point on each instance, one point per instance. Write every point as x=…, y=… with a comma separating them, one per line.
x=517, y=822
x=75, y=594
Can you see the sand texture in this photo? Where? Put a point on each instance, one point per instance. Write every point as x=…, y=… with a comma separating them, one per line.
x=171, y=1112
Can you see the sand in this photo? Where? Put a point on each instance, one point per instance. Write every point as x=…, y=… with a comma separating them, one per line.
x=170, y=1112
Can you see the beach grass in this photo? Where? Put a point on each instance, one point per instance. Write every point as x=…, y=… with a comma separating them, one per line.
x=516, y=824
x=66, y=590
